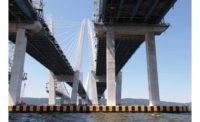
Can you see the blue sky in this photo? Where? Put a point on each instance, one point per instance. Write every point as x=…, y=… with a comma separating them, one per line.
x=173, y=54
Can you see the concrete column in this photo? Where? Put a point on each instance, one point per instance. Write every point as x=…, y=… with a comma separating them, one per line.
x=18, y=66
x=52, y=90
x=94, y=89
x=74, y=94
x=119, y=87
x=110, y=68
x=154, y=97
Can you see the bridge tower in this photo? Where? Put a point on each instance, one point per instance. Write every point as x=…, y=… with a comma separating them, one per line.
x=76, y=80
x=92, y=57
x=72, y=79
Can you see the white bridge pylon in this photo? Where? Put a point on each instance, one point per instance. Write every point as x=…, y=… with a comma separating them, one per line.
x=76, y=78
x=78, y=59
x=92, y=57
x=90, y=81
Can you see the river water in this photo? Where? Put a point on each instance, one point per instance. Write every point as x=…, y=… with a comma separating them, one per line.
x=99, y=117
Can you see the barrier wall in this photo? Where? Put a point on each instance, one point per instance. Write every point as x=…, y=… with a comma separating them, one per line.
x=88, y=109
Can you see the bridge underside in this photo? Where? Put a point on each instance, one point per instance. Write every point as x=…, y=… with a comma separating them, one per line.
x=44, y=48
x=41, y=45
x=133, y=11
x=125, y=48
x=101, y=87
x=125, y=13
x=21, y=11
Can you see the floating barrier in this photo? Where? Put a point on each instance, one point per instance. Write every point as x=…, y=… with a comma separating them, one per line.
x=88, y=109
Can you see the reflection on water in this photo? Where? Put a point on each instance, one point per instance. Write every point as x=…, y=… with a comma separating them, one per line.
x=99, y=117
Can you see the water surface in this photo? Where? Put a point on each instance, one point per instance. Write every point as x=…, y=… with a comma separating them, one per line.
x=99, y=117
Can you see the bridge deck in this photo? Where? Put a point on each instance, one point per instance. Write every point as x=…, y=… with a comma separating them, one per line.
x=21, y=10
x=125, y=12
x=42, y=45
x=124, y=48
x=132, y=11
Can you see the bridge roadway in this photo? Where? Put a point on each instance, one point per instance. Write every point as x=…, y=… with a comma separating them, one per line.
x=42, y=46
x=124, y=13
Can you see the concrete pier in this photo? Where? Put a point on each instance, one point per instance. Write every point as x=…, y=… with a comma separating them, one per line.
x=154, y=97
x=52, y=92
x=18, y=66
x=118, y=88
x=74, y=94
x=110, y=68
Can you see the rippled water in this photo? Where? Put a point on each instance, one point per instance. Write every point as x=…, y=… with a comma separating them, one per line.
x=99, y=117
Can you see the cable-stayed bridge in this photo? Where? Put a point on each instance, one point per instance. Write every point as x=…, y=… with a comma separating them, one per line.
x=120, y=27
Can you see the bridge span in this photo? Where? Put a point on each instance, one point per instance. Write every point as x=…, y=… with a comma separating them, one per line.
x=120, y=27
x=30, y=33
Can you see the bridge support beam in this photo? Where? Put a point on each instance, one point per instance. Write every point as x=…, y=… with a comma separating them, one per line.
x=74, y=94
x=154, y=97
x=17, y=68
x=110, y=68
x=118, y=88
x=52, y=90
